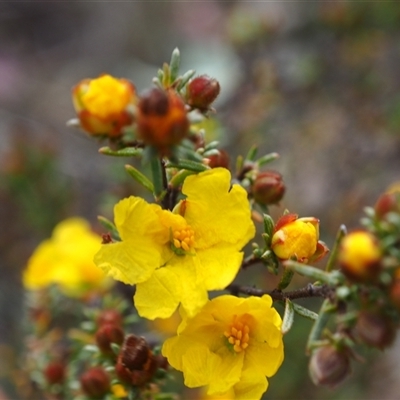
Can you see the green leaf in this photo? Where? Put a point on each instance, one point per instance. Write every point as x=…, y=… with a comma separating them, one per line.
x=109, y=226
x=157, y=173
x=188, y=165
x=251, y=155
x=333, y=255
x=267, y=159
x=268, y=225
x=174, y=64
x=178, y=178
x=305, y=312
x=139, y=177
x=126, y=152
x=185, y=79
x=288, y=317
x=286, y=279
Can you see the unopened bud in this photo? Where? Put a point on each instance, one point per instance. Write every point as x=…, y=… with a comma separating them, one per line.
x=394, y=291
x=374, y=329
x=268, y=188
x=387, y=202
x=109, y=317
x=162, y=119
x=55, y=372
x=329, y=366
x=219, y=160
x=360, y=256
x=95, y=383
x=107, y=334
x=201, y=92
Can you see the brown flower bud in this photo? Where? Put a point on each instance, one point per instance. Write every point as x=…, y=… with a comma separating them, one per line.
x=268, y=188
x=107, y=334
x=329, y=366
x=109, y=317
x=95, y=383
x=136, y=363
x=201, y=92
x=219, y=160
x=394, y=291
x=374, y=329
x=55, y=372
x=162, y=119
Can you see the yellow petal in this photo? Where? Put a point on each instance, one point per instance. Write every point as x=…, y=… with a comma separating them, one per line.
x=159, y=296
x=219, y=265
x=216, y=211
x=250, y=386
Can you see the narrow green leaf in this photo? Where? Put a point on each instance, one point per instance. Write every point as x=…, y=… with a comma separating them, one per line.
x=110, y=227
x=267, y=159
x=288, y=317
x=157, y=173
x=251, y=155
x=212, y=145
x=126, y=152
x=174, y=64
x=185, y=79
x=189, y=165
x=305, y=312
x=178, y=178
x=333, y=255
x=139, y=177
x=286, y=279
x=268, y=224
x=239, y=164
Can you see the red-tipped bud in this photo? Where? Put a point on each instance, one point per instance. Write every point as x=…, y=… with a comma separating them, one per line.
x=95, y=383
x=107, y=334
x=109, y=317
x=394, y=291
x=162, y=119
x=55, y=372
x=387, y=202
x=329, y=366
x=201, y=92
x=268, y=188
x=219, y=160
x=360, y=256
x=374, y=329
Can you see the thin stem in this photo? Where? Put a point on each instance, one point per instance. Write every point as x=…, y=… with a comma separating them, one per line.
x=310, y=290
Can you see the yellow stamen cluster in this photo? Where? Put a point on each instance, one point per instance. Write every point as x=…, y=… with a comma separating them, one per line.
x=184, y=238
x=238, y=336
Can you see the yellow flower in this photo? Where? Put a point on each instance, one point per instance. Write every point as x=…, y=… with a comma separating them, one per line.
x=360, y=256
x=176, y=257
x=297, y=238
x=103, y=104
x=66, y=259
x=231, y=344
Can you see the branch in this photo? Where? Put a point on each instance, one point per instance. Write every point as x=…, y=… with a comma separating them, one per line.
x=310, y=290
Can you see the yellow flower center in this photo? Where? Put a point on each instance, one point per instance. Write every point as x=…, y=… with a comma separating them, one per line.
x=106, y=96
x=238, y=336
x=183, y=239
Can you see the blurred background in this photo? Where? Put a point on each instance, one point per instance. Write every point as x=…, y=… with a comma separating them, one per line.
x=317, y=82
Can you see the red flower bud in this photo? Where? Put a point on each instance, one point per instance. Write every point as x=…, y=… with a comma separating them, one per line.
x=161, y=120
x=109, y=317
x=55, y=372
x=387, y=202
x=329, y=366
x=95, y=383
x=219, y=160
x=201, y=92
x=268, y=188
x=107, y=334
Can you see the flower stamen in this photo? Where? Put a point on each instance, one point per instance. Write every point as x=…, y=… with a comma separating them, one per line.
x=238, y=336
x=183, y=240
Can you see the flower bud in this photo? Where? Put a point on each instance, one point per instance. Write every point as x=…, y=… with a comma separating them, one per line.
x=109, y=317
x=394, y=291
x=161, y=120
x=219, y=160
x=107, y=334
x=201, y=92
x=329, y=366
x=297, y=238
x=360, y=256
x=387, y=202
x=268, y=188
x=104, y=105
x=374, y=329
x=95, y=383
x=55, y=372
